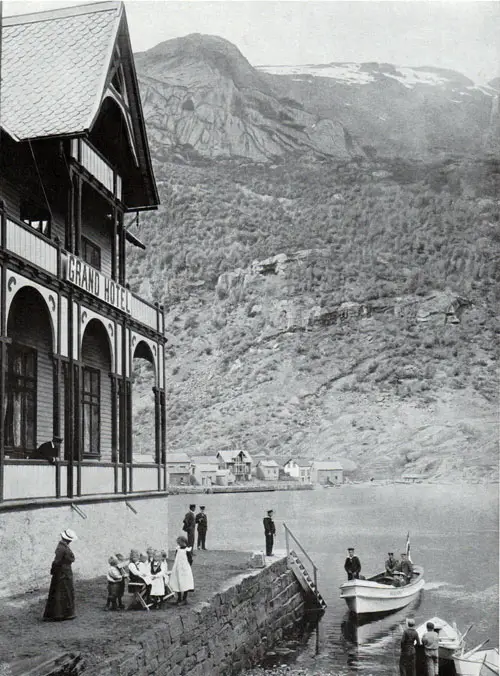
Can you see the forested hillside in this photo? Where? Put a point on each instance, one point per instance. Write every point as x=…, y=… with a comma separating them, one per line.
x=261, y=358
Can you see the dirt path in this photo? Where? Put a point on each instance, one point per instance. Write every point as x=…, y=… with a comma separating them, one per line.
x=96, y=633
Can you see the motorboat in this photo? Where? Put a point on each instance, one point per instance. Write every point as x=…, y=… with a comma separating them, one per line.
x=381, y=593
x=450, y=638
x=477, y=662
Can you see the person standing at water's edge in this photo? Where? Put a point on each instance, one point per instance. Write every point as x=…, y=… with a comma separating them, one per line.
x=352, y=565
x=61, y=600
x=269, y=532
x=202, y=522
x=189, y=525
x=409, y=640
x=430, y=641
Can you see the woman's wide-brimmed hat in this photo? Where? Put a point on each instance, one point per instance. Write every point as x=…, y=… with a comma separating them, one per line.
x=69, y=535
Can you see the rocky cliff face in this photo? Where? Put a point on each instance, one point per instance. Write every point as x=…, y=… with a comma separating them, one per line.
x=200, y=92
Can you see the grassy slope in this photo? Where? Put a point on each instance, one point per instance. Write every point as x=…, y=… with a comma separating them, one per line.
x=392, y=393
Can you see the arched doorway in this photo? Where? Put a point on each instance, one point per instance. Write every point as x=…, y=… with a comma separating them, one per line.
x=96, y=394
x=144, y=409
x=29, y=396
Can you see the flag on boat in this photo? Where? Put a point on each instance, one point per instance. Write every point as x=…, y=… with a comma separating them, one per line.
x=408, y=547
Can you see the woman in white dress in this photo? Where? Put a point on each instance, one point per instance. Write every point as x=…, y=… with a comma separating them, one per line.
x=181, y=575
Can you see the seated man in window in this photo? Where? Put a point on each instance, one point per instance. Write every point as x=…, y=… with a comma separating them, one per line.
x=49, y=450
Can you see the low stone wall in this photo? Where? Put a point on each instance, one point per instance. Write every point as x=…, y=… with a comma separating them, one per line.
x=29, y=535
x=220, y=638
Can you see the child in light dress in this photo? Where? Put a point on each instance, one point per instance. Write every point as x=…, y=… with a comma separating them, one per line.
x=181, y=576
x=159, y=575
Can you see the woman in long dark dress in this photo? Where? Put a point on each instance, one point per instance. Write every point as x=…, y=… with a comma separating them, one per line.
x=61, y=601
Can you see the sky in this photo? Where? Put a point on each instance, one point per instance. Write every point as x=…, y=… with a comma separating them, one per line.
x=456, y=34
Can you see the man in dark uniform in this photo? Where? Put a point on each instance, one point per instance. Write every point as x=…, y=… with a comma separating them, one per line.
x=405, y=567
x=352, y=565
x=391, y=565
x=202, y=522
x=409, y=640
x=49, y=450
x=269, y=532
x=189, y=525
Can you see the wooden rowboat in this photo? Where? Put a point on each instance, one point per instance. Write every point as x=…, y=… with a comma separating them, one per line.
x=378, y=594
x=477, y=662
x=450, y=638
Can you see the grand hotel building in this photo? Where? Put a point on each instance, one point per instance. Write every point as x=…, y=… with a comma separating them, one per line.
x=74, y=166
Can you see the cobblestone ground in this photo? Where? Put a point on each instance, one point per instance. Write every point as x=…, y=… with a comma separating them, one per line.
x=95, y=632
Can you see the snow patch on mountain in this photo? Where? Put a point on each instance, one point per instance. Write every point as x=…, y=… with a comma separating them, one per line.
x=359, y=73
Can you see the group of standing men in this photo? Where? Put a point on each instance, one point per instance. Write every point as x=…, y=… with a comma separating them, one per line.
x=191, y=521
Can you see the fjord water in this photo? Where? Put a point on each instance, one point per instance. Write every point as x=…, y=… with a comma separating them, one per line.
x=454, y=535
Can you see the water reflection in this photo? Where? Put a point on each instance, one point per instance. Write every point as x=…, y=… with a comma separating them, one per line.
x=373, y=632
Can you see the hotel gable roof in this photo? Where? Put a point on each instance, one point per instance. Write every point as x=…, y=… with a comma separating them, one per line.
x=64, y=72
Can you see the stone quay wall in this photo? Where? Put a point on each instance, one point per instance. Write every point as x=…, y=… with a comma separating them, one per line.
x=220, y=638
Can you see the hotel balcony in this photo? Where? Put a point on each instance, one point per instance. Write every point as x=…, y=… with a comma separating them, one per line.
x=47, y=256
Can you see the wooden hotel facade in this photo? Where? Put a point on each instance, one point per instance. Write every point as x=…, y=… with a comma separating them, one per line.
x=74, y=169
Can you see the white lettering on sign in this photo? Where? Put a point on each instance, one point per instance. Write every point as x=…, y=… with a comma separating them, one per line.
x=91, y=280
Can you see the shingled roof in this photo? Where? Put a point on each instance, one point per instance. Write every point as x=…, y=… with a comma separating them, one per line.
x=54, y=66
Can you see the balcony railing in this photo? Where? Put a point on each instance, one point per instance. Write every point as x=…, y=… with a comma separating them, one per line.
x=96, y=165
x=31, y=246
x=22, y=240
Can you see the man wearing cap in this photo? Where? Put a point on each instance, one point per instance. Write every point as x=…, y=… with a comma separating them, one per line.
x=352, y=565
x=202, y=523
x=189, y=525
x=405, y=568
x=409, y=639
x=61, y=600
x=391, y=565
x=430, y=641
x=269, y=532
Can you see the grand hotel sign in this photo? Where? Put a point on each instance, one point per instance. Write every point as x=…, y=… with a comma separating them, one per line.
x=91, y=280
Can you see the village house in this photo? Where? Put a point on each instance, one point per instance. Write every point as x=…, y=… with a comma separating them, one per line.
x=268, y=470
x=178, y=469
x=299, y=469
x=204, y=469
x=327, y=472
x=239, y=463
x=75, y=171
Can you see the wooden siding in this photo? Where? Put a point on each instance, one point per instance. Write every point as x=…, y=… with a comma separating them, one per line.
x=95, y=353
x=98, y=229
x=10, y=195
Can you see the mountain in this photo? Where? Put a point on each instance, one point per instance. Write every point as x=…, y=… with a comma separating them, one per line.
x=325, y=309
x=202, y=96
x=327, y=250
x=200, y=93
x=392, y=110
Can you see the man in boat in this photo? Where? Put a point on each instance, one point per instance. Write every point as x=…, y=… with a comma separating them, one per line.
x=430, y=641
x=409, y=639
x=391, y=565
x=352, y=565
x=405, y=567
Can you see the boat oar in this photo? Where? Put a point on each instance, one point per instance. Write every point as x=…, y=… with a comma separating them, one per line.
x=478, y=647
x=464, y=635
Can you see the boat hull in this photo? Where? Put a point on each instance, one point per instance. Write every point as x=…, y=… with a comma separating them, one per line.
x=485, y=661
x=365, y=597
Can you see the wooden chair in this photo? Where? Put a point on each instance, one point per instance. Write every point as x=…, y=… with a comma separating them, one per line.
x=168, y=592
x=140, y=592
